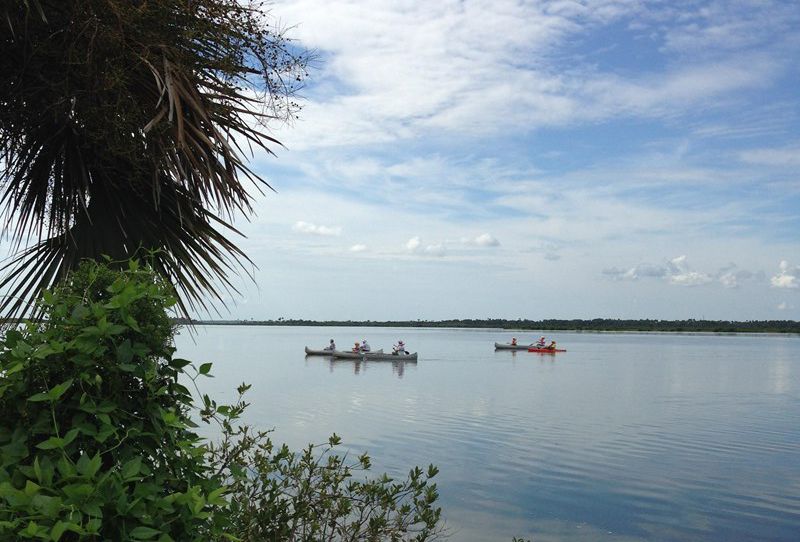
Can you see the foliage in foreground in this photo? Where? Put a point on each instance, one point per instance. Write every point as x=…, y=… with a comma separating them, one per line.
x=97, y=440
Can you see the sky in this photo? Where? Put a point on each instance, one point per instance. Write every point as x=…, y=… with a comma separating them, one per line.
x=534, y=159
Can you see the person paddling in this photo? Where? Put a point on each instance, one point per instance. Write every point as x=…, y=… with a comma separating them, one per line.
x=399, y=348
x=365, y=346
x=331, y=346
x=540, y=343
x=513, y=341
x=551, y=346
x=356, y=347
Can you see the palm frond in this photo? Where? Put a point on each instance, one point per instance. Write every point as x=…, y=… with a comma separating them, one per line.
x=121, y=131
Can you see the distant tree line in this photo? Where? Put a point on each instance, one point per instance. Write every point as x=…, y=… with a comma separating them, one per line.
x=596, y=324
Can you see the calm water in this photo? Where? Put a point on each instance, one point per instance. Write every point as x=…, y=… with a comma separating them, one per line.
x=624, y=437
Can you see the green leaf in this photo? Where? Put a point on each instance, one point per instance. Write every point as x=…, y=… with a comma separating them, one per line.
x=66, y=468
x=39, y=397
x=78, y=492
x=59, y=389
x=94, y=465
x=53, y=394
x=131, y=468
x=70, y=436
x=204, y=368
x=215, y=497
x=93, y=526
x=132, y=323
x=125, y=352
x=31, y=488
x=58, y=529
x=179, y=363
x=86, y=466
x=51, y=444
x=31, y=530
x=48, y=506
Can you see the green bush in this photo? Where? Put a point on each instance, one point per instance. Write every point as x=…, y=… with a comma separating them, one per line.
x=315, y=495
x=97, y=440
x=95, y=432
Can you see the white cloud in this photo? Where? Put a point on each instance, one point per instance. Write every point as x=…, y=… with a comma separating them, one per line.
x=314, y=229
x=486, y=240
x=482, y=240
x=787, y=276
x=681, y=275
x=676, y=271
x=712, y=27
x=636, y=272
x=731, y=276
x=396, y=70
x=782, y=306
x=413, y=244
x=358, y=248
x=729, y=280
x=689, y=278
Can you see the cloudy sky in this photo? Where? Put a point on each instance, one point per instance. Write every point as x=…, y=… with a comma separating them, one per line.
x=535, y=159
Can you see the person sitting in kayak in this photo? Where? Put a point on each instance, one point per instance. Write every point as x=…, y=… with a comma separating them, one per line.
x=551, y=346
x=331, y=346
x=356, y=347
x=399, y=348
x=513, y=341
x=365, y=346
x=540, y=343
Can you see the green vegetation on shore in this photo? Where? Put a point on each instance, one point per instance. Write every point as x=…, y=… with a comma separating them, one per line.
x=597, y=324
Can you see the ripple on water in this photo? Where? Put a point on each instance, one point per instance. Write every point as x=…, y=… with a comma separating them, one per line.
x=625, y=438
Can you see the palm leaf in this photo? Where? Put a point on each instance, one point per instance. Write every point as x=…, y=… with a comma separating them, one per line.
x=121, y=133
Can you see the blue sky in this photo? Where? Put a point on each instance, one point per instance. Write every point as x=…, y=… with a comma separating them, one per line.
x=561, y=159
x=533, y=159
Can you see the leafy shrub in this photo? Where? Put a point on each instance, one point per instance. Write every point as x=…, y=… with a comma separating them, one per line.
x=315, y=495
x=97, y=440
x=95, y=431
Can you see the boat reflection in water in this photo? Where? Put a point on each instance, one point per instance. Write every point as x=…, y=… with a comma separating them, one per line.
x=359, y=364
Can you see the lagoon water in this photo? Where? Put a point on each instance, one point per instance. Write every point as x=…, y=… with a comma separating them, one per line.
x=625, y=437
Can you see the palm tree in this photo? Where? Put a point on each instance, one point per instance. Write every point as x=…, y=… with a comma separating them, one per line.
x=122, y=130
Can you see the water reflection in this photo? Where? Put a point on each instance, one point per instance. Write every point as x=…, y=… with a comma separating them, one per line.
x=781, y=376
x=362, y=365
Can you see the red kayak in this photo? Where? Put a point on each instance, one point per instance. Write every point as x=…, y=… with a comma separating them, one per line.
x=545, y=350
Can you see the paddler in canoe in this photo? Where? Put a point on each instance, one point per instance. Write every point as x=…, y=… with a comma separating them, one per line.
x=331, y=346
x=399, y=349
x=540, y=347
x=540, y=343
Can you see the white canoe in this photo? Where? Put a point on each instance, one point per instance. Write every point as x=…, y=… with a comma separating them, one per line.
x=375, y=356
x=506, y=346
x=312, y=352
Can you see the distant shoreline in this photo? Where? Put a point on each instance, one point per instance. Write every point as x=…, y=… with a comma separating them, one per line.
x=596, y=325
